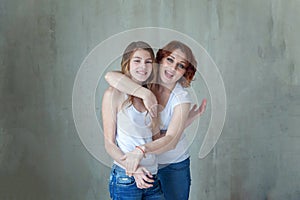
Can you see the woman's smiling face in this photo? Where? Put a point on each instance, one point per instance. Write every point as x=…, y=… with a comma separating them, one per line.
x=140, y=66
x=172, y=67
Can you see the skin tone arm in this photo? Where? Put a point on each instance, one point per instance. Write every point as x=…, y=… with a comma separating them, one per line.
x=193, y=114
x=111, y=100
x=126, y=85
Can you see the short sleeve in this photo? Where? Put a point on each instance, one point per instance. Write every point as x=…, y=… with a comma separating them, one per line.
x=180, y=95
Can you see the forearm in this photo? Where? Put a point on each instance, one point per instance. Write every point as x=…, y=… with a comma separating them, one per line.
x=161, y=145
x=124, y=84
x=195, y=113
x=173, y=133
x=188, y=122
x=115, y=152
x=168, y=139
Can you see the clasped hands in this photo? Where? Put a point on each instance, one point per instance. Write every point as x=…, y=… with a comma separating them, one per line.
x=132, y=159
x=142, y=176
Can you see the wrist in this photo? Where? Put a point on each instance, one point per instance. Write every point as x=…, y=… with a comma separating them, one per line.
x=142, y=150
x=139, y=92
x=144, y=93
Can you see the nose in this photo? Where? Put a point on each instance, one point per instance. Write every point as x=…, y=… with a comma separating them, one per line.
x=143, y=65
x=173, y=65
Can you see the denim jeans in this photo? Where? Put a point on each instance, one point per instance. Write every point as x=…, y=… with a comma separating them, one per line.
x=175, y=180
x=123, y=187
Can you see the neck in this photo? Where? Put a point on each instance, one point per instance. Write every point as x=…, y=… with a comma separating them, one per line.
x=170, y=86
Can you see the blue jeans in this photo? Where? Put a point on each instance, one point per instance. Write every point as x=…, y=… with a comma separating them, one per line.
x=175, y=180
x=123, y=187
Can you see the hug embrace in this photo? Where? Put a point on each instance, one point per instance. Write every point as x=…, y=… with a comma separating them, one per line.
x=145, y=111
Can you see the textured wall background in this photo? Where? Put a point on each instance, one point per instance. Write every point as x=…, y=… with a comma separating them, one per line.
x=254, y=43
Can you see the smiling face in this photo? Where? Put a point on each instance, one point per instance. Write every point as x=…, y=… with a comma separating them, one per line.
x=137, y=62
x=172, y=67
x=140, y=66
x=181, y=57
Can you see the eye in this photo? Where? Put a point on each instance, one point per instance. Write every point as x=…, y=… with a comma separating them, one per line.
x=170, y=60
x=136, y=61
x=180, y=66
x=148, y=61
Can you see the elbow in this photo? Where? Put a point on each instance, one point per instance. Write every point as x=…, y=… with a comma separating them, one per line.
x=172, y=144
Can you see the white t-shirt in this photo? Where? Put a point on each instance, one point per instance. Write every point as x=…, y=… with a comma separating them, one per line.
x=178, y=96
x=134, y=129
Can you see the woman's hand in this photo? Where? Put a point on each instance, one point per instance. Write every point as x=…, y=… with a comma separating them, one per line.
x=196, y=112
x=132, y=160
x=143, y=178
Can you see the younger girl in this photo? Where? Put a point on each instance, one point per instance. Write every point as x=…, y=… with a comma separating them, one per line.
x=127, y=125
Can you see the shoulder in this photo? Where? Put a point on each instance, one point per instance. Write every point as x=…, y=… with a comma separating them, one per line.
x=180, y=95
x=113, y=95
x=179, y=90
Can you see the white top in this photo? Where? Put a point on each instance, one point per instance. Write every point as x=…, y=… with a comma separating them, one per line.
x=134, y=129
x=178, y=96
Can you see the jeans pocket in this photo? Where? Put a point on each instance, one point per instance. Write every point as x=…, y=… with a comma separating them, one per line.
x=125, y=181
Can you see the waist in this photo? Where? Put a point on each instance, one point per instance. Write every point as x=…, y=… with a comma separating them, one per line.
x=120, y=170
x=180, y=153
x=150, y=163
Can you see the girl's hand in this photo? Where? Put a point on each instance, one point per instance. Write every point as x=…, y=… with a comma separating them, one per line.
x=143, y=178
x=132, y=160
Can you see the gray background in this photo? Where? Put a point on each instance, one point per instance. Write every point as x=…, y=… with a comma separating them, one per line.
x=255, y=44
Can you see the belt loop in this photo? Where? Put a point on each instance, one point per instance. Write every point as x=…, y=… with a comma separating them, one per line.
x=114, y=168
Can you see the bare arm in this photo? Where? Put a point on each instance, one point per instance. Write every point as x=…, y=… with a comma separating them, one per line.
x=111, y=100
x=125, y=84
x=195, y=112
x=174, y=131
x=167, y=140
x=172, y=135
x=109, y=117
x=163, y=144
x=182, y=117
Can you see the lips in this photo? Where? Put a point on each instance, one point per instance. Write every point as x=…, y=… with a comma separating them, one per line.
x=169, y=74
x=142, y=72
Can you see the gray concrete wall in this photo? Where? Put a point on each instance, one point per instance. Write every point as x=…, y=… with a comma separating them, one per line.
x=254, y=43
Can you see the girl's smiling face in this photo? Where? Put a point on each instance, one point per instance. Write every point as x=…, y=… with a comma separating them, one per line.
x=140, y=66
